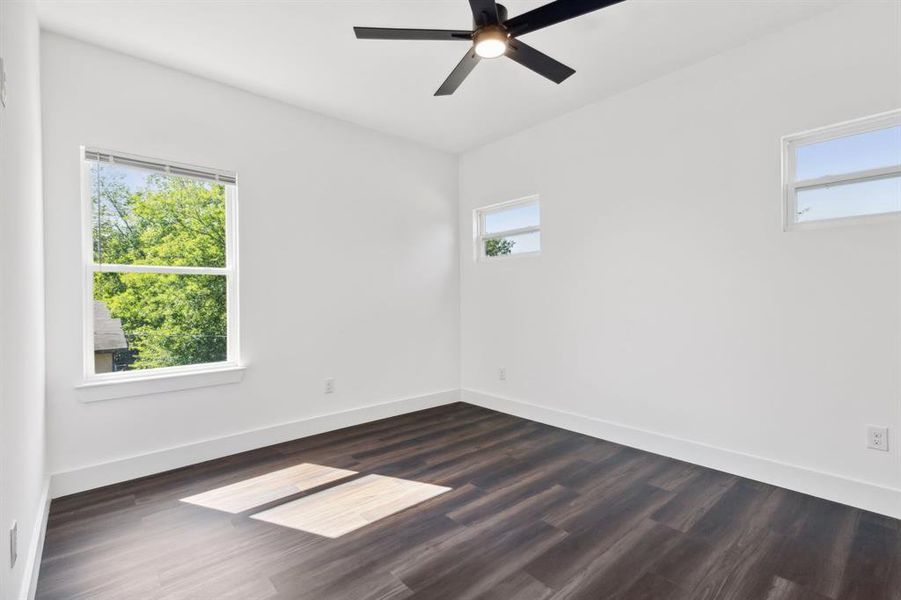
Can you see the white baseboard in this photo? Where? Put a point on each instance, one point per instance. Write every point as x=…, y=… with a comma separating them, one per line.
x=94, y=476
x=861, y=494
x=36, y=549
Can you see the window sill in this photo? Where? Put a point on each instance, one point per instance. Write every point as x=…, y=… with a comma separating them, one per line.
x=503, y=257
x=110, y=389
x=890, y=217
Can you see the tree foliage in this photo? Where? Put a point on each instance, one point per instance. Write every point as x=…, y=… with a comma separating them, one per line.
x=499, y=247
x=168, y=319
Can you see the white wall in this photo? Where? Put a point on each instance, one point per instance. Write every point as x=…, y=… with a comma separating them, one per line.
x=22, y=472
x=667, y=298
x=348, y=260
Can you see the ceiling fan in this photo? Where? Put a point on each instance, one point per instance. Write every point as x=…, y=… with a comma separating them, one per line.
x=494, y=35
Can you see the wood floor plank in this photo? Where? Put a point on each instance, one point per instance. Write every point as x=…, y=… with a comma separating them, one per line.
x=814, y=552
x=618, y=568
x=484, y=564
x=873, y=556
x=566, y=560
x=651, y=586
x=784, y=589
x=263, y=489
x=350, y=506
x=692, y=503
x=533, y=513
x=521, y=586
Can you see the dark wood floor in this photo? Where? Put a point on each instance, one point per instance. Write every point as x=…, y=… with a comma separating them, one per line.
x=536, y=512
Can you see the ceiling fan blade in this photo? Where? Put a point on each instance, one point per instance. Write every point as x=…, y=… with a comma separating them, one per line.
x=484, y=12
x=555, y=12
x=459, y=73
x=539, y=62
x=387, y=33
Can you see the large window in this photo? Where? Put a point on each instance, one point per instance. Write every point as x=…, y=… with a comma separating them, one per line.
x=508, y=229
x=160, y=267
x=844, y=173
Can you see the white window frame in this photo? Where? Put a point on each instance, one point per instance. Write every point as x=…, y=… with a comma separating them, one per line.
x=791, y=187
x=216, y=372
x=481, y=237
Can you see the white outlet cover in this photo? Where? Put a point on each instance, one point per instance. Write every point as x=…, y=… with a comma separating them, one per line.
x=877, y=438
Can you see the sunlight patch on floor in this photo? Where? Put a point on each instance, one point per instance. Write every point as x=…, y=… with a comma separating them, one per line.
x=257, y=491
x=350, y=506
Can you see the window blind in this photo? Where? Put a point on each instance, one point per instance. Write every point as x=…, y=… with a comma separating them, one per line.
x=160, y=167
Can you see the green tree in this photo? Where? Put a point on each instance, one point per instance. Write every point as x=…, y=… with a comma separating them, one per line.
x=168, y=319
x=499, y=247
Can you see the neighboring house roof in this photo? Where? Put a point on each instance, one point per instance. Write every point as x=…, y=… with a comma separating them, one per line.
x=108, y=334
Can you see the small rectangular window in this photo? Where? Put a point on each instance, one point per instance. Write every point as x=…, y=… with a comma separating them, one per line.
x=160, y=266
x=844, y=173
x=508, y=229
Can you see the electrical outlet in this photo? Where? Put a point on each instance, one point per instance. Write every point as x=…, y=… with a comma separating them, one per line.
x=13, y=544
x=877, y=438
x=502, y=374
x=329, y=387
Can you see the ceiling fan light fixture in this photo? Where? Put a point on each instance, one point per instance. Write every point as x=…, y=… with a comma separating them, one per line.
x=494, y=35
x=491, y=42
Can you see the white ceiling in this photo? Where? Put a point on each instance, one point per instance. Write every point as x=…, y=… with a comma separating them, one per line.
x=304, y=52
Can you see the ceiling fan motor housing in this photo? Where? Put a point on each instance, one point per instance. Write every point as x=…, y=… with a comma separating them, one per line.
x=501, y=17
